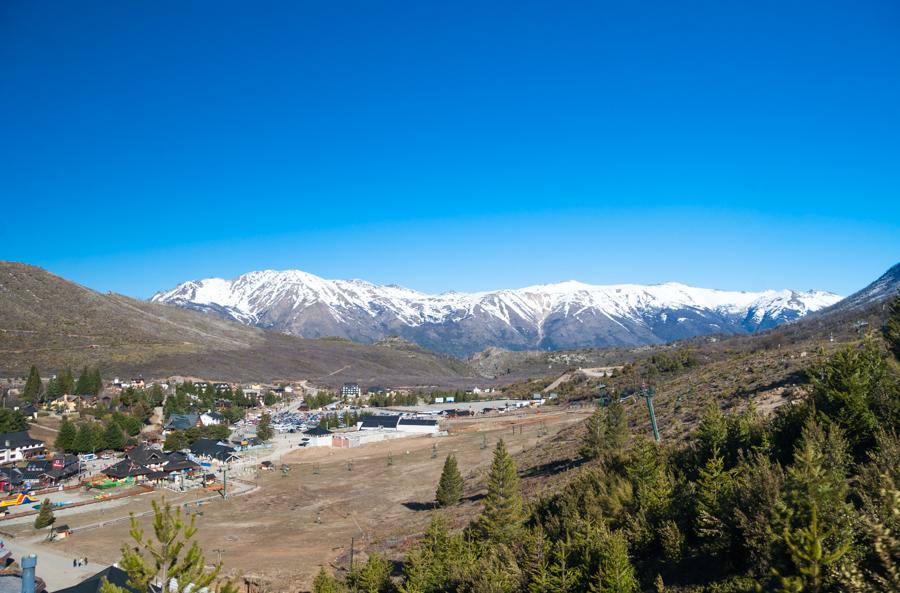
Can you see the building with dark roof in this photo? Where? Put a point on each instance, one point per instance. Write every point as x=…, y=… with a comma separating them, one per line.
x=212, y=449
x=147, y=455
x=418, y=425
x=182, y=421
x=113, y=574
x=126, y=468
x=16, y=446
x=385, y=422
x=319, y=436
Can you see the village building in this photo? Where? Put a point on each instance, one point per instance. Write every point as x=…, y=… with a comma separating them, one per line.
x=319, y=437
x=350, y=390
x=18, y=446
x=210, y=418
x=213, y=449
x=182, y=422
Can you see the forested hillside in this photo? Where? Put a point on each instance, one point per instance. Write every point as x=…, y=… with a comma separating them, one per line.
x=804, y=499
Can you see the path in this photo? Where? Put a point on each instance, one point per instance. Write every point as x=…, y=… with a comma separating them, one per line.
x=56, y=569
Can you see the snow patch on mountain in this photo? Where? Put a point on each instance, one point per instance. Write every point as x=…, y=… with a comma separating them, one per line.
x=532, y=317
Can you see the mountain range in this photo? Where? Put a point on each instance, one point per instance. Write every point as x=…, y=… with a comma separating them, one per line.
x=51, y=322
x=544, y=317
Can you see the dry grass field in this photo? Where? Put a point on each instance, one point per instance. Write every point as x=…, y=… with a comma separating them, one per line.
x=285, y=528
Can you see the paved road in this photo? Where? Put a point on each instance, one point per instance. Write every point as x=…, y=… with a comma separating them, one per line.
x=56, y=570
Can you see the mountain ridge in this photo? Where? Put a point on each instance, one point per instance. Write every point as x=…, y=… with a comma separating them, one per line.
x=52, y=322
x=568, y=314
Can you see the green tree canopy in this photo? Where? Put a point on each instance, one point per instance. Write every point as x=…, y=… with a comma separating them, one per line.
x=450, y=486
x=264, y=429
x=45, y=516
x=169, y=555
x=503, y=513
x=33, y=386
x=65, y=438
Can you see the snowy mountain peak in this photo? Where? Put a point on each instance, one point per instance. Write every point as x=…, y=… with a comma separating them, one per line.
x=566, y=314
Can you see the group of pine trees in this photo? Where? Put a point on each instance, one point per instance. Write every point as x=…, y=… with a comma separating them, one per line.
x=89, y=382
x=90, y=436
x=807, y=500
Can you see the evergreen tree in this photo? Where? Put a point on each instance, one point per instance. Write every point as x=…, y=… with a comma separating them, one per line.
x=811, y=555
x=815, y=496
x=84, y=439
x=33, y=386
x=169, y=556
x=374, y=575
x=502, y=517
x=450, y=486
x=713, y=490
x=712, y=434
x=616, y=571
x=12, y=420
x=607, y=432
x=326, y=583
x=65, y=438
x=96, y=381
x=176, y=441
x=592, y=447
x=113, y=437
x=892, y=328
x=67, y=381
x=264, y=428
x=843, y=390
x=54, y=390
x=438, y=561
x=652, y=483
x=559, y=574
x=45, y=516
x=83, y=386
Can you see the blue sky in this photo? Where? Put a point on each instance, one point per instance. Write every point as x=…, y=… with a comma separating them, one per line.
x=464, y=145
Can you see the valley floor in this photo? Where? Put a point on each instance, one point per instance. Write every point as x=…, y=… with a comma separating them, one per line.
x=283, y=528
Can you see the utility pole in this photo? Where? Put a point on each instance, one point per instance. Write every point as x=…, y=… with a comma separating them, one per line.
x=225, y=482
x=648, y=395
x=352, y=541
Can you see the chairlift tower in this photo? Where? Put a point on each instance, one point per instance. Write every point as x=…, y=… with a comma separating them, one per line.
x=648, y=396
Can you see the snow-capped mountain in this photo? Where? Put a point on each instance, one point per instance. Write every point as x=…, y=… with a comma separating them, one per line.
x=550, y=316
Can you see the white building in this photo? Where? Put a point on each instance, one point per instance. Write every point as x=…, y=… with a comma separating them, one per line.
x=16, y=446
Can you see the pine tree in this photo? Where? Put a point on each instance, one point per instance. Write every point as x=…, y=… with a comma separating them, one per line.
x=712, y=432
x=96, y=381
x=607, y=432
x=53, y=389
x=843, y=390
x=811, y=554
x=169, y=556
x=815, y=495
x=83, y=386
x=45, y=516
x=439, y=558
x=65, y=438
x=450, y=486
x=33, y=386
x=559, y=574
x=502, y=517
x=373, y=577
x=113, y=437
x=713, y=489
x=67, y=381
x=892, y=328
x=592, y=447
x=264, y=428
x=84, y=439
x=616, y=571
x=326, y=583
x=176, y=441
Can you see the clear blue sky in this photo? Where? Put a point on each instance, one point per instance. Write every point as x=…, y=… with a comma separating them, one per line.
x=452, y=145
